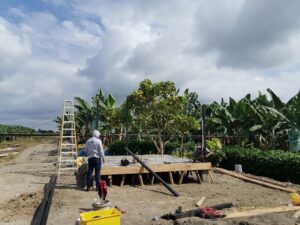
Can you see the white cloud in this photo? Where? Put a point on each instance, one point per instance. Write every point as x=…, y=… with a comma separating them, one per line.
x=216, y=48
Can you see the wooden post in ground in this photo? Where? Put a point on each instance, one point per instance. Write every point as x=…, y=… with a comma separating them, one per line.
x=182, y=173
x=152, y=180
x=141, y=180
x=123, y=180
x=110, y=180
x=171, y=178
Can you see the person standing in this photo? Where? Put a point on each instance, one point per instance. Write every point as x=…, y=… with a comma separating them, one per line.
x=95, y=154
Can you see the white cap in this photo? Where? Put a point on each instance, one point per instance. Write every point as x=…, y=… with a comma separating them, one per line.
x=96, y=133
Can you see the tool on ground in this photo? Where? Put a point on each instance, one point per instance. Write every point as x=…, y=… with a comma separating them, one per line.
x=68, y=144
x=152, y=172
x=102, y=192
x=210, y=212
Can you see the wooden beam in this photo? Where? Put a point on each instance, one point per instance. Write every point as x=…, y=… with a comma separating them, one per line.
x=248, y=179
x=278, y=183
x=136, y=169
x=257, y=212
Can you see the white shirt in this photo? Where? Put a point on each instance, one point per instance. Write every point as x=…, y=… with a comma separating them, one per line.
x=94, y=148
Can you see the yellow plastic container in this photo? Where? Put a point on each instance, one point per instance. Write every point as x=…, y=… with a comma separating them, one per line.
x=295, y=199
x=101, y=217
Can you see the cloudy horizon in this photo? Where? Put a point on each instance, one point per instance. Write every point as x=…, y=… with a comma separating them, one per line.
x=53, y=50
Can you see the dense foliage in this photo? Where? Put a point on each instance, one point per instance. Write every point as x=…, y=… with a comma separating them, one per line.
x=157, y=111
x=275, y=164
x=15, y=129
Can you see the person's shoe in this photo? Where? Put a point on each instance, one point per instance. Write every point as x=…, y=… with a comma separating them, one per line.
x=87, y=189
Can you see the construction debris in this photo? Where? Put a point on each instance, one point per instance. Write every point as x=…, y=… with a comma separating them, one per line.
x=210, y=212
x=257, y=212
x=255, y=181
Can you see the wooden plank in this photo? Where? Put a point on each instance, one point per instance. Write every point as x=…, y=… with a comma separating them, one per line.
x=257, y=212
x=278, y=183
x=123, y=180
x=136, y=169
x=141, y=179
x=171, y=178
x=248, y=179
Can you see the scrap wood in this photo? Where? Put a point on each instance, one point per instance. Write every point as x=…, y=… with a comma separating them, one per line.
x=204, y=212
x=262, y=183
x=257, y=212
x=296, y=215
x=266, y=180
x=199, y=204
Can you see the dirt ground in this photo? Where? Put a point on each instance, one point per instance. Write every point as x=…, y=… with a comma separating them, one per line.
x=23, y=179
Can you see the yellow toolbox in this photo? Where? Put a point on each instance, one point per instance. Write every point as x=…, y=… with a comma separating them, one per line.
x=101, y=217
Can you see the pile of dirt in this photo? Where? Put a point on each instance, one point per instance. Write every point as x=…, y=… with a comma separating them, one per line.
x=24, y=204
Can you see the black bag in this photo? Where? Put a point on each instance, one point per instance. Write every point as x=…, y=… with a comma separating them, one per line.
x=124, y=162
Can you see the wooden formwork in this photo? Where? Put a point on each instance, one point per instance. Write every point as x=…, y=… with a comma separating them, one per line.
x=178, y=165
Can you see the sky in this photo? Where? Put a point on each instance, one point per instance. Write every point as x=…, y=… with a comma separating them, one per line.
x=51, y=50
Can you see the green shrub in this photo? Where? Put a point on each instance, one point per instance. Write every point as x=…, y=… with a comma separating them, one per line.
x=137, y=147
x=275, y=164
x=215, y=146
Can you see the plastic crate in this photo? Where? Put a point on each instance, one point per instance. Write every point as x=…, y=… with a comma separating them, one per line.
x=101, y=217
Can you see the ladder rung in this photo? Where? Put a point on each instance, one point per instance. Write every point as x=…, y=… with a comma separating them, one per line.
x=68, y=153
x=68, y=136
x=68, y=144
x=69, y=107
x=68, y=128
x=67, y=160
x=69, y=121
x=69, y=114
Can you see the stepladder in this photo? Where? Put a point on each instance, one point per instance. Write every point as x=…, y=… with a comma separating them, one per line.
x=68, y=143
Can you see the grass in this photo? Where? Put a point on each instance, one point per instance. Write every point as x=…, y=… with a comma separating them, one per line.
x=22, y=143
x=7, y=158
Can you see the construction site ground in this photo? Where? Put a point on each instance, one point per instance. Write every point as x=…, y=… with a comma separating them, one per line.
x=22, y=181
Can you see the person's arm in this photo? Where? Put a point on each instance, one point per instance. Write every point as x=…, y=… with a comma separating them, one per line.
x=101, y=151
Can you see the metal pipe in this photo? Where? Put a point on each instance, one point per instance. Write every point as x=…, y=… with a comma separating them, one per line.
x=152, y=172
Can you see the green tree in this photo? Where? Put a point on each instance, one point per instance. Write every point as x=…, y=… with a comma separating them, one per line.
x=158, y=109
